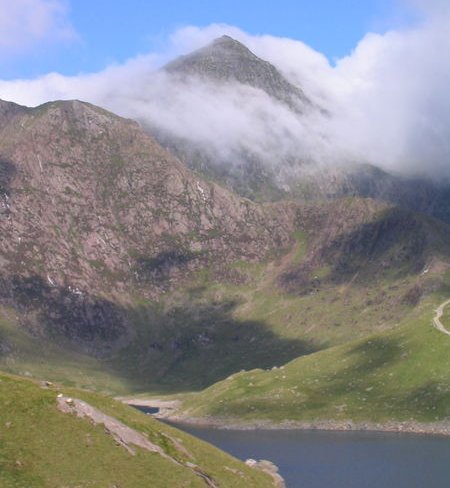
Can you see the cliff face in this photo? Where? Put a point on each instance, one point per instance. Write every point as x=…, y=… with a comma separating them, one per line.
x=92, y=207
x=86, y=193
x=228, y=60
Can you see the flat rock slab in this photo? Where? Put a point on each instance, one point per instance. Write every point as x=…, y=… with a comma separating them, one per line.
x=124, y=435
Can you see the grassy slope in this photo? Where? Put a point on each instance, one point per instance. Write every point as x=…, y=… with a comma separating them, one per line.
x=253, y=322
x=402, y=374
x=238, y=317
x=250, y=320
x=272, y=327
x=42, y=447
x=29, y=356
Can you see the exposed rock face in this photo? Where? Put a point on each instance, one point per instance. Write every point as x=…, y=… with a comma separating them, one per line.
x=269, y=468
x=91, y=206
x=354, y=239
x=229, y=60
x=87, y=194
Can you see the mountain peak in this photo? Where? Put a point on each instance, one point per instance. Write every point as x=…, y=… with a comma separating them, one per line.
x=8, y=110
x=228, y=60
x=229, y=43
x=221, y=52
x=225, y=38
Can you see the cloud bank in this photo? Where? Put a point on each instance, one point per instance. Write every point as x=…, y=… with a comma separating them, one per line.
x=26, y=23
x=388, y=101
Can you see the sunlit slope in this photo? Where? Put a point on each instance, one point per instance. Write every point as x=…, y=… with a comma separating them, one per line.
x=401, y=375
x=42, y=447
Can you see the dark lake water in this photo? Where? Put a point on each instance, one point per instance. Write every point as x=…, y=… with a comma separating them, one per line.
x=318, y=459
x=313, y=459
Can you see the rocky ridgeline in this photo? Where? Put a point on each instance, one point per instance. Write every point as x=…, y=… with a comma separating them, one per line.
x=227, y=60
x=92, y=207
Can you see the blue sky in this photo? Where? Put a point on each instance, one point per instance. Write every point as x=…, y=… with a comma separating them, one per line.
x=88, y=35
x=381, y=67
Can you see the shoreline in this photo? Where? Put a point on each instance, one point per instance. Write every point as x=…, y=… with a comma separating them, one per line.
x=409, y=427
x=168, y=413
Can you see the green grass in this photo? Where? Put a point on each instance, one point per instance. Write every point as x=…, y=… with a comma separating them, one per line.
x=301, y=247
x=34, y=357
x=446, y=317
x=41, y=447
x=240, y=317
x=251, y=325
x=230, y=325
x=403, y=374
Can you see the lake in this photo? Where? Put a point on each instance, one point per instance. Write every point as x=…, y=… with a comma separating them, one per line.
x=319, y=459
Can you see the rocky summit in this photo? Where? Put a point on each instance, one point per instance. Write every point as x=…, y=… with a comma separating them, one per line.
x=228, y=60
x=285, y=174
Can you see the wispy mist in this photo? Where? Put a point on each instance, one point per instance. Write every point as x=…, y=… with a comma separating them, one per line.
x=24, y=24
x=387, y=102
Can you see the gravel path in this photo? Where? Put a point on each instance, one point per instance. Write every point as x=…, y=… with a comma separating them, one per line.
x=437, y=318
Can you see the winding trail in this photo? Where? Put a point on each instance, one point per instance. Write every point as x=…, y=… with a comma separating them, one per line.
x=437, y=318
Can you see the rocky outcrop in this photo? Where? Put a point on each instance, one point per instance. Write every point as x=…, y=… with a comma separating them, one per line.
x=269, y=468
x=228, y=60
x=129, y=438
x=124, y=436
x=92, y=208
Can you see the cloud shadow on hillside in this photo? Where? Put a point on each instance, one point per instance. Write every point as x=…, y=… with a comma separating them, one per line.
x=186, y=346
x=193, y=344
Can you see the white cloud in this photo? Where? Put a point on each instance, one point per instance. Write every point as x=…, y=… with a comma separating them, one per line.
x=388, y=100
x=25, y=23
x=430, y=7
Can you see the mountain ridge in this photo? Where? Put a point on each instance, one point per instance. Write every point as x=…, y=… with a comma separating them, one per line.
x=91, y=206
x=283, y=175
x=114, y=251
x=226, y=59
